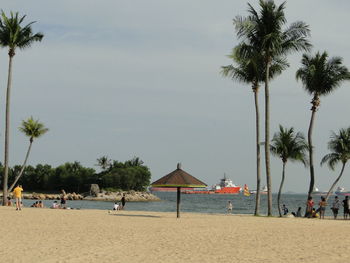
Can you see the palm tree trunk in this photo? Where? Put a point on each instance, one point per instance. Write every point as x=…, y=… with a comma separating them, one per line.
x=7, y=131
x=23, y=167
x=267, y=140
x=258, y=170
x=280, y=190
x=311, y=159
x=336, y=181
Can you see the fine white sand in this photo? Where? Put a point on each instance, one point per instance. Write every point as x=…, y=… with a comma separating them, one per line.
x=48, y=235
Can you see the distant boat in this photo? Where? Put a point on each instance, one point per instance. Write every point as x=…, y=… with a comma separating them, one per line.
x=318, y=192
x=341, y=191
x=263, y=191
x=226, y=186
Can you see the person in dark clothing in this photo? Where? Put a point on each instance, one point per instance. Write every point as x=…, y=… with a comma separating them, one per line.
x=346, y=207
x=123, y=201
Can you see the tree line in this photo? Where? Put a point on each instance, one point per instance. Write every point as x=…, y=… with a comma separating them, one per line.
x=265, y=41
x=73, y=177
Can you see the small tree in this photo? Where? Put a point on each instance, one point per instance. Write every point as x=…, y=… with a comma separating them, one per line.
x=339, y=145
x=32, y=129
x=288, y=145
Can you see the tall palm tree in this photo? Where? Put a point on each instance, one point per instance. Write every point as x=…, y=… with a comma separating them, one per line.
x=32, y=129
x=320, y=76
x=264, y=31
x=288, y=145
x=13, y=35
x=339, y=145
x=251, y=71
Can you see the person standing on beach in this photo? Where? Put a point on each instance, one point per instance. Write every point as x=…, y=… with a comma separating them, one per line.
x=123, y=201
x=346, y=207
x=322, y=207
x=17, y=192
x=63, y=199
x=309, y=207
x=335, y=207
x=229, y=207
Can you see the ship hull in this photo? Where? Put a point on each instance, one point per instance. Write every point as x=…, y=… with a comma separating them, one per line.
x=168, y=189
x=224, y=190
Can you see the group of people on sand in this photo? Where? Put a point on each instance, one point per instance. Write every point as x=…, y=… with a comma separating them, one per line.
x=38, y=204
x=120, y=205
x=312, y=212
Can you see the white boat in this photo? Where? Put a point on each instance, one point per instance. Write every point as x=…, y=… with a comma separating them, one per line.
x=318, y=192
x=341, y=191
x=262, y=191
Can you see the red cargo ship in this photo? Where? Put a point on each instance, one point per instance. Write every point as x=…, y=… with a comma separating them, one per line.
x=226, y=186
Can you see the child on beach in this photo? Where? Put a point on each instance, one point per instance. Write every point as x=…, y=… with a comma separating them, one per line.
x=285, y=210
x=116, y=206
x=229, y=207
x=9, y=202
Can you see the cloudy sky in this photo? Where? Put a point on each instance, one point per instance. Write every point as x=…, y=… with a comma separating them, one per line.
x=142, y=78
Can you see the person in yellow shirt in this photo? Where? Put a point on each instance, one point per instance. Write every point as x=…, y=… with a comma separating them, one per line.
x=17, y=192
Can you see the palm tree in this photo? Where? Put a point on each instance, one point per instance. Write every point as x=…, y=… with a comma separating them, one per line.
x=320, y=76
x=264, y=31
x=104, y=162
x=339, y=145
x=251, y=71
x=32, y=129
x=288, y=145
x=13, y=35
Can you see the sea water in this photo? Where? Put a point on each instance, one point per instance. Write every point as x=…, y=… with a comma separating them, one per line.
x=201, y=203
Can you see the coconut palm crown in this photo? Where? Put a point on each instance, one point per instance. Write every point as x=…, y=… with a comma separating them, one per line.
x=288, y=145
x=339, y=145
x=33, y=128
x=13, y=35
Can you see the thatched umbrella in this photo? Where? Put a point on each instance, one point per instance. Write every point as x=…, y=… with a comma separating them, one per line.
x=177, y=179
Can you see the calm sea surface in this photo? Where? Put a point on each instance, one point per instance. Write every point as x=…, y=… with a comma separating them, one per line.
x=197, y=203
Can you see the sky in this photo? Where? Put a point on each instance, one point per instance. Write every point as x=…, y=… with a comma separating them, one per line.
x=142, y=78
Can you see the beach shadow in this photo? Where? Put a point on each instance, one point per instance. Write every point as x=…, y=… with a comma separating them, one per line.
x=135, y=215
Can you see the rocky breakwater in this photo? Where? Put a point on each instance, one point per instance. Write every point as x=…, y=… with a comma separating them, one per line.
x=38, y=196
x=130, y=196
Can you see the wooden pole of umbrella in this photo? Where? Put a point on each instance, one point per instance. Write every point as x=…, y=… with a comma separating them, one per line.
x=178, y=179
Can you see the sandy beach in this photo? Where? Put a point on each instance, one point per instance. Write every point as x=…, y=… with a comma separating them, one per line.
x=47, y=235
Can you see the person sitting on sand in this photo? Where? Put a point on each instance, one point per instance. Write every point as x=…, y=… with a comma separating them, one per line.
x=40, y=204
x=9, y=202
x=322, y=207
x=314, y=213
x=116, y=206
x=229, y=207
x=298, y=213
x=55, y=205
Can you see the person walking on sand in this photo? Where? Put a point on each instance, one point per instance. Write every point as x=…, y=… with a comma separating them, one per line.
x=17, y=192
x=309, y=207
x=346, y=207
x=123, y=201
x=322, y=207
x=335, y=207
x=229, y=207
